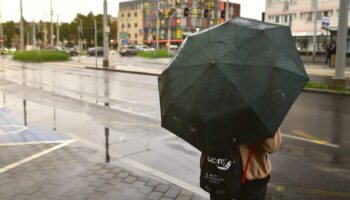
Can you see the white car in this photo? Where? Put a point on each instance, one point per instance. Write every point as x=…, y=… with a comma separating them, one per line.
x=144, y=48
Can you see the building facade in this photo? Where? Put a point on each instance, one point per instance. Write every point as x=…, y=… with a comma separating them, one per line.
x=138, y=19
x=299, y=15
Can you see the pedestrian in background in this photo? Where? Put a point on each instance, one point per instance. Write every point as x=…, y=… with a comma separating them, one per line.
x=258, y=171
x=333, y=51
x=327, y=48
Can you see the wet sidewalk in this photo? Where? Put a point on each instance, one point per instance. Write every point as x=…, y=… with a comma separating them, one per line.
x=39, y=164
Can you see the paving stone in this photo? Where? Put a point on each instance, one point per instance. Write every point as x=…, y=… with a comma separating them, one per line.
x=123, y=174
x=107, y=176
x=116, y=170
x=186, y=192
x=162, y=188
x=154, y=195
x=129, y=179
x=184, y=197
x=172, y=193
x=143, y=179
x=145, y=190
x=114, y=181
x=166, y=198
x=152, y=183
x=95, y=195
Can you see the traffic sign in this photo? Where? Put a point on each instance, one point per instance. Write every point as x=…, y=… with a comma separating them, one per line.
x=325, y=21
x=2, y=40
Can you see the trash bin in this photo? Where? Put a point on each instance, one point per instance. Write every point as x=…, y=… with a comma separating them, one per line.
x=112, y=58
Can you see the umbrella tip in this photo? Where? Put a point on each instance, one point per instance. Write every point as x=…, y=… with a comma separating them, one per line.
x=213, y=62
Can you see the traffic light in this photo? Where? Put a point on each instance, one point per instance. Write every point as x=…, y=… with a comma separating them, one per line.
x=222, y=14
x=186, y=12
x=206, y=12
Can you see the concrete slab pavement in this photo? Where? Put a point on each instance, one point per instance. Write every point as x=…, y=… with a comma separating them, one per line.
x=48, y=166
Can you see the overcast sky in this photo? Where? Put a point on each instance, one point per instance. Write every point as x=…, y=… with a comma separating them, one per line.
x=67, y=9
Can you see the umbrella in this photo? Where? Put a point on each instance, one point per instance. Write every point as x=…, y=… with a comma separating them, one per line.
x=233, y=82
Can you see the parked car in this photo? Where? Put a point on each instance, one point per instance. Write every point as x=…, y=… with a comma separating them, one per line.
x=58, y=49
x=144, y=48
x=129, y=50
x=91, y=51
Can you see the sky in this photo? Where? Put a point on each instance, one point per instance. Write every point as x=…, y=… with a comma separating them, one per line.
x=67, y=9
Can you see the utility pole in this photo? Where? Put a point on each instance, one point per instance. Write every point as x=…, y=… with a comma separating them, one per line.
x=314, y=39
x=34, y=35
x=169, y=30
x=157, y=31
x=95, y=28
x=79, y=35
x=51, y=25
x=227, y=10
x=105, y=36
x=21, y=28
x=58, y=30
x=1, y=30
x=339, y=81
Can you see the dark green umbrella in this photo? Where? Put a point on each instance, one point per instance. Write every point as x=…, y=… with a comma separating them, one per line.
x=235, y=81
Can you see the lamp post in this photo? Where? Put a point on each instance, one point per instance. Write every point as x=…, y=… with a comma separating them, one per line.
x=169, y=32
x=105, y=36
x=314, y=39
x=22, y=28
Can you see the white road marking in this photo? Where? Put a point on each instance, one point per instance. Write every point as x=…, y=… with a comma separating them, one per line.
x=30, y=158
x=21, y=128
x=39, y=142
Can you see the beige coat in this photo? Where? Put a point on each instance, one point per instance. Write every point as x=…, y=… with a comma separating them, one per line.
x=260, y=165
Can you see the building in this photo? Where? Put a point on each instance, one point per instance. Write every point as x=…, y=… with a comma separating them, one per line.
x=138, y=19
x=299, y=15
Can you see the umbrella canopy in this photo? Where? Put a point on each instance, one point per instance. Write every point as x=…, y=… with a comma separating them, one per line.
x=235, y=81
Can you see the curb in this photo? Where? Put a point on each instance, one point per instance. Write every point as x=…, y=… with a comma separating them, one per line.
x=310, y=90
x=124, y=71
x=321, y=91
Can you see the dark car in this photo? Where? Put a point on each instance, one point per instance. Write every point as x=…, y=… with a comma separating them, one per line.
x=91, y=51
x=129, y=50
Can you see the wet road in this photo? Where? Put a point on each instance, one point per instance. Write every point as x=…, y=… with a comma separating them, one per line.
x=314, y=162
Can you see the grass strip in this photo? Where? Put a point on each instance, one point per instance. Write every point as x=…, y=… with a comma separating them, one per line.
x=323, y=86
x=37, y=56
x=155, y=54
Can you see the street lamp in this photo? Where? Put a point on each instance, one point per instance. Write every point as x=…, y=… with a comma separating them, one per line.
x=169, y=33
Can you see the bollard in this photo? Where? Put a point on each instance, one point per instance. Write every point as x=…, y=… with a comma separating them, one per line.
x=107, y=144
x=25, y=111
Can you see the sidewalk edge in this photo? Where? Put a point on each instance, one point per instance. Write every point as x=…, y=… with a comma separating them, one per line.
x=124, y=71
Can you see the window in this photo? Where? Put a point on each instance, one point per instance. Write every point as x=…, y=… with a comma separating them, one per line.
x=128, y=14
x=135, y=35
x=122, y=14
x=129, y=26
x=277, y=19
x=122, y=25
x=135, y=25
x=135, y=14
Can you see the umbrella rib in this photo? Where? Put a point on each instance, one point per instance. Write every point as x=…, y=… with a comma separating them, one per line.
x=259, y=117
x=223, y=35
x=189, y=87
x=201, y=51
x=240, y=46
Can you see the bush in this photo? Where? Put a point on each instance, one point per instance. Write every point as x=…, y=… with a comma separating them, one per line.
x=40, y=56
x=154, y=54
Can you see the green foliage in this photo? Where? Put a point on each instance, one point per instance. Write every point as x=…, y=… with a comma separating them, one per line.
x=36, y=56
x=156, y=54
x=323, y=86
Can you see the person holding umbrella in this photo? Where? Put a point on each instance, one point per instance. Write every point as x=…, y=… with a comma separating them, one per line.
x=258, y=171
x=226, y=92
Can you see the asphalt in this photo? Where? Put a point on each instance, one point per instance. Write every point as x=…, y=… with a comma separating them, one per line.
x=40, y=164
